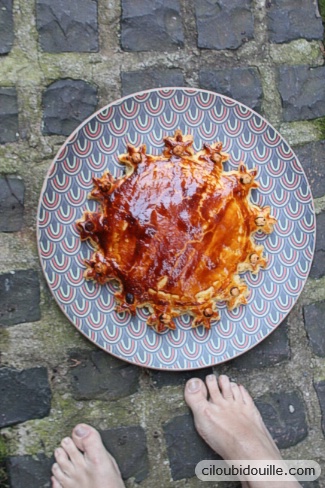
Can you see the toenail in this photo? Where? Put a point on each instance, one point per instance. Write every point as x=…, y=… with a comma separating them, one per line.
x=193, y=385
x=81, y=431
x=66, y=441
x=211, y=377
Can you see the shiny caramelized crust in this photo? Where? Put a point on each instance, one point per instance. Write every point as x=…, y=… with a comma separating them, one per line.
x=175, y=232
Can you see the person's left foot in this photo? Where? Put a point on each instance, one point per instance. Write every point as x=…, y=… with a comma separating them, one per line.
x=83, y=462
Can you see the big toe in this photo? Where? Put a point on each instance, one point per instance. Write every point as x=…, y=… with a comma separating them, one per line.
x=195, y=394
x=88, y=440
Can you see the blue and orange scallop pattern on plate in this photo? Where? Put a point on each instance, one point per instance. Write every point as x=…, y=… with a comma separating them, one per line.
x=146, y=118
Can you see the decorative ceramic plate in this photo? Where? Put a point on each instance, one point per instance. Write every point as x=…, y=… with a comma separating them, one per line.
x=146, y=118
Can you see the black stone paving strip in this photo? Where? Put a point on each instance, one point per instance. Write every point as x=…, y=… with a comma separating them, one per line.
x=302, y=92
x=12, y=192
x=223, y=24
x=128, y=445
x=185, y=447
x=272, y=350
x=320, y=390
x=309, y=484
x=67, y=103
x=318, y=266
x=293, y=19
x=151, y=26
x=24, y=395
x=133, y=81
x=242, y=84
x=19, y=297
x=314, y=322
x=67, y=25
x=8, y=115
x=29, y=471
x=166, y=378
x=6, y=26
x=97, y=375
x=284, y=415
x=312, y=157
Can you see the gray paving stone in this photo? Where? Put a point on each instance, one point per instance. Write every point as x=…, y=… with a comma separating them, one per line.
x=24, y=395
x=6, y=26
x=293, y=19
x=128, y=445
x=312, y=157
x=12, y=192
x=67, y=103
x=134, y=81
x=67, y=25
x=302, y=91
x=320, y=390
x=30, y=471
x=165, y=378
x=101, y=376
x=314, y=323
x=284, y=415
x=272, y=350
x=151, y=25
x=19, y=297
x=223, y=24
x=309, y=484
x=318, y=266
x=8, y=115
x=185, y=447
x=242, y=84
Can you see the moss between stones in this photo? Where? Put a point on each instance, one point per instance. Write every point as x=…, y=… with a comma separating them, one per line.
x=322, y=8
x=320, y=123
x=299, y=51
x=3, y=474
x=44, y=435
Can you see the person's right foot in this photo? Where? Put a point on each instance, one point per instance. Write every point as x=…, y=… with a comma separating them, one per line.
x=231, y=424
x=229, y=421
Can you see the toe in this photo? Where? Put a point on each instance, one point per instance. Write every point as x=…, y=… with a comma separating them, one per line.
x=55, y=483
x=195, y=394
x=213, y=388
x=236, y=392
x=58, y=474
x=247, y=399
x=88, y=440
x=225, y=387
x=72, y=451
x=63, y=461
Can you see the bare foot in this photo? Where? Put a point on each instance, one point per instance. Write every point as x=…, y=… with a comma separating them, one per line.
x=230, y=423
x=83, y=462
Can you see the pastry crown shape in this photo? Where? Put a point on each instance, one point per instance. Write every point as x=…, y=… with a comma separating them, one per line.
x=175, y=232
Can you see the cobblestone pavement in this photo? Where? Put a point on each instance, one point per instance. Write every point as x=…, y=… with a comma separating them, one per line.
x=62, y=60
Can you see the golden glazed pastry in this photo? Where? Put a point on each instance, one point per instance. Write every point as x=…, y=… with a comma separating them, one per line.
x=175, y=232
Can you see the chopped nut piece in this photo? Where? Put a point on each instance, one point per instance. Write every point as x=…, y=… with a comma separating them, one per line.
x=208, y=312
x=254, y=258
x=234, y=291
x=260, y=221
x=216, y=158
x=136, y=158
x=246, y=179
x=178, y=150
